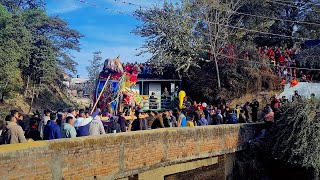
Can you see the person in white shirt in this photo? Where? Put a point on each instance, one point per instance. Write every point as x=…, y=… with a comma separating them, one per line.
x=82, y=124
x=43, y=122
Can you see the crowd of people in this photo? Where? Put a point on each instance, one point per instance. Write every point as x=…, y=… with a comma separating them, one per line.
x=50, y=125
x=286, y=62
x=149, y=70
x=77, y=123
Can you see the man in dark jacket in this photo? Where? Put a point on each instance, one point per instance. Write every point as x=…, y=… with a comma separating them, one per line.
x=254, y=110
x=166, y=119
x=33, y=132
x=232, y=117
x=52, y=130
x=123, y=122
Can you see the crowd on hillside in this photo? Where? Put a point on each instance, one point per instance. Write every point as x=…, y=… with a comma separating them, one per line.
x=287, y=63
x=77, y=123
x=149, y=70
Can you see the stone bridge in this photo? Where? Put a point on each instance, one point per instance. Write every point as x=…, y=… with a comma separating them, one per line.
x=174, y=153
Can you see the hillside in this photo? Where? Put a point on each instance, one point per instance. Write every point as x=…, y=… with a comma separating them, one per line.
x=51, y=98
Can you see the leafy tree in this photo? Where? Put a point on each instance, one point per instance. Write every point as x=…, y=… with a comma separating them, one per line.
x=279, y=18
x=20, y=5
x=199, y=38
x=184, y=35
x=45, y=43
x=295, y=136
x=51, y=41
x=10, y=53
x=170, y=36
x=96, y=65
x=215, y=18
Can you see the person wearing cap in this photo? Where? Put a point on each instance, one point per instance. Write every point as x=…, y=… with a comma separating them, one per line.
x=82, y=123
x=96, y=127
x=218, y=119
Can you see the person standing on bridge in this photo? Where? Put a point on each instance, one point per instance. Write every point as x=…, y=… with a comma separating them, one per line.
x=33, y=131
x=246, y=109
x=202, y=121
x=218, y=118
x=96, y=127
x=182, y=120
x=43, y=122
x=254, y=110
x=67, y=128
x=52, y=130
x=72, y=113
x=14, y=133
x=82, y=123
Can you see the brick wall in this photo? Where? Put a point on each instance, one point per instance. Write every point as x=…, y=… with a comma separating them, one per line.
x=121, y=155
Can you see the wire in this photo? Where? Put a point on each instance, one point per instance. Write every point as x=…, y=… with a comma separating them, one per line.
x=305, y=3
x=289, y=5
x=267, y=64
x=223, y=55
x=106, y=8
x=266, y=17
x=230, y=26
x=262, y=32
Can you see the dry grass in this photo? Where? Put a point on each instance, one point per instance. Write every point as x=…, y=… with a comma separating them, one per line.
x=262, y=97
x=51, y=98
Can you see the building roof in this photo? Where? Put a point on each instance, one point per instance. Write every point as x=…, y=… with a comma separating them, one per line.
x=78, y=80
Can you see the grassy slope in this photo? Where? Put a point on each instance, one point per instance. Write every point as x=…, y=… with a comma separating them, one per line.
x=50, y=98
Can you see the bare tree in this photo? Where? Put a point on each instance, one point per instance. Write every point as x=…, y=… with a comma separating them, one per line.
x=96, y=65
x=217, y=18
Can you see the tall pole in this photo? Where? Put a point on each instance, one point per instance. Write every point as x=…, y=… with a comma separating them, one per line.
x=97, y=100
